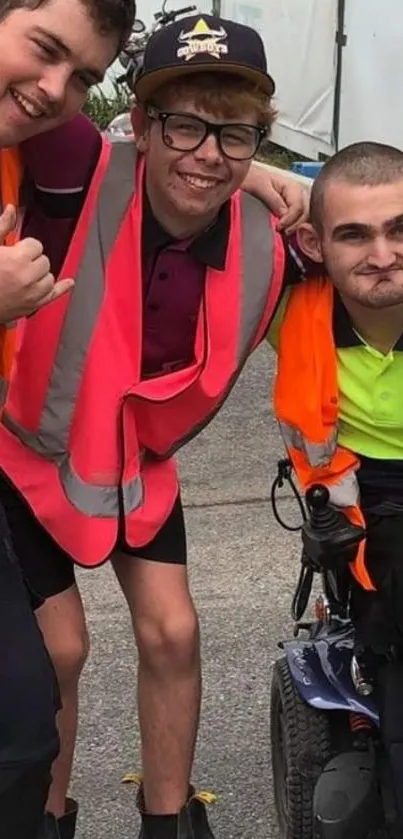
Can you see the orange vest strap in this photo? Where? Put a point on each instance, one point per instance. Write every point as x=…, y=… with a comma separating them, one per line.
x=306, y=403
x=10, y=180
x=11, y=173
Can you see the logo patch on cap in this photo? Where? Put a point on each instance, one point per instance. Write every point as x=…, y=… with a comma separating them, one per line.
x=201, y=40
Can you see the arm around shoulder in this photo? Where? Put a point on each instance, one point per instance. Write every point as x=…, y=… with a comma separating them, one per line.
x=285, y=198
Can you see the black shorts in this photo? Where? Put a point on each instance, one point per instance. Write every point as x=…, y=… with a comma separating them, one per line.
x=49, y=570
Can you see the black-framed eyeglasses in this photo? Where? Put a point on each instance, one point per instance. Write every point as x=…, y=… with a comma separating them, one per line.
x=185, y=132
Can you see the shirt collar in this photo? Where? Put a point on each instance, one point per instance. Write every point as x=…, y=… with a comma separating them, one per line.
x=344, y=333
x=210, y=247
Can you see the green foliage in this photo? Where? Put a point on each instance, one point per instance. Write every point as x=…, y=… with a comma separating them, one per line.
x=102, y=109
x=277, y=156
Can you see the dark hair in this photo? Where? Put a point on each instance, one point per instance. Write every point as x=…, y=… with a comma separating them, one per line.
x=110, y=16
x=366, y=164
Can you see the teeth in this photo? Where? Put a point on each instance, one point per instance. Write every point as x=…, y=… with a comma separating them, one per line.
x=30, y=109
x=200, y=183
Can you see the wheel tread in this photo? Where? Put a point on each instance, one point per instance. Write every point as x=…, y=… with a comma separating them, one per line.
x=308, y=745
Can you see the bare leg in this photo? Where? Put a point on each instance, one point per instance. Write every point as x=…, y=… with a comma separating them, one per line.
x=169, y=679
x=62, y=621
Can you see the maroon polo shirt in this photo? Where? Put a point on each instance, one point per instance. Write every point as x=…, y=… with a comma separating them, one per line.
x=173, y=284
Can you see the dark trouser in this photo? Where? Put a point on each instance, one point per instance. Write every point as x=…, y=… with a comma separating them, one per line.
x=22, y=800
x=28, y=705
x=378, y=619
x=378, y=616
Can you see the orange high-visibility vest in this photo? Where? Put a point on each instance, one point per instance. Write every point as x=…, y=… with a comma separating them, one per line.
x=306, y=402
x=11, y=173
x=85, y=440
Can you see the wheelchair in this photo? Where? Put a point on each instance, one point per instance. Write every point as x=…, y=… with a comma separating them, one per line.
x=337, y=760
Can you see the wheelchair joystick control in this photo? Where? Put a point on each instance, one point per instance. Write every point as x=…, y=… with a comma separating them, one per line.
x=322, y=515
x=330, y=540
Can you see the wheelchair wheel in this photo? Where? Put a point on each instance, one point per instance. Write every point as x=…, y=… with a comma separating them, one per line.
x=301, y=747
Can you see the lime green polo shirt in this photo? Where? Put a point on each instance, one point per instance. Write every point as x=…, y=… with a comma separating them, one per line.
x=370, y=389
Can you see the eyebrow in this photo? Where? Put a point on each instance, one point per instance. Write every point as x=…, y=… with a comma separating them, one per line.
x=356, y=227
x=63, y=48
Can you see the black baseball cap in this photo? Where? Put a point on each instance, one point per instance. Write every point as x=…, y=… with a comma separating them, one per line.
x=203, y=43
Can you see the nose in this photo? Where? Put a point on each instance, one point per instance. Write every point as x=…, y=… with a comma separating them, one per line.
x=209, y=152
x=381, y=254
x=54, y=83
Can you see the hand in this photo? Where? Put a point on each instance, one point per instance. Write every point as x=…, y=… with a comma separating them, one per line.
x=285, y=197
x=26, y=283
x=290, y=202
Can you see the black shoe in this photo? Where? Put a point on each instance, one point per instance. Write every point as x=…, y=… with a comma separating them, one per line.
x=63, y=828
x=190, y=823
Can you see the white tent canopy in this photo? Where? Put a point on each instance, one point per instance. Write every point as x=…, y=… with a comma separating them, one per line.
x=330, y=94
x=338, y=65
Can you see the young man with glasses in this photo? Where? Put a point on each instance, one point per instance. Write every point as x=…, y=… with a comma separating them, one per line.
x=51, y=52
x=177, y=276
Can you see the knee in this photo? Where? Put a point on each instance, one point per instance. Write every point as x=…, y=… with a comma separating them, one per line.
x=171, y=639
x=69, y=656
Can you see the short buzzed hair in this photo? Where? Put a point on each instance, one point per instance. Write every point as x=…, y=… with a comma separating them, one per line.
x=362, y=164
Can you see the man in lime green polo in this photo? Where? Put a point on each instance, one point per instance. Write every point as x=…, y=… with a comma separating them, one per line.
x=339, y=387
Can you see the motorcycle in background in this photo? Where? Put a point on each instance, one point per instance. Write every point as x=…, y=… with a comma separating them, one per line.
x=131, y=58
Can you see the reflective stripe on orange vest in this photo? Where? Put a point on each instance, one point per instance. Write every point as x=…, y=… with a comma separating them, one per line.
x=10, y=184
x=306, y=402
x=82, y=436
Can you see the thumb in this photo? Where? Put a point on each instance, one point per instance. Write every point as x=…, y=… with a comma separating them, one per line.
x=8, y=221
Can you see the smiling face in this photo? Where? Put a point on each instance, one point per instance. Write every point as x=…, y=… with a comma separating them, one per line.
x=187, y=188
x=195, y=183
x=49, y=57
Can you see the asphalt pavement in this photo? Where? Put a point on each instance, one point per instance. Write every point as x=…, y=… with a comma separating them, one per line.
x=243, y=568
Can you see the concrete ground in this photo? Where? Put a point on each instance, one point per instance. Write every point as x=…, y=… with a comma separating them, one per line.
x=243, y=569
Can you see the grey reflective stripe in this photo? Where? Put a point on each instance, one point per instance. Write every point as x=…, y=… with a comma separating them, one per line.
x=257, y=266
x=132, y=494
x=90, y=499
x=51, y=439
x=3, y=390
x=31, y=440
x=317, y=454
x=346, y=493
x=96, y=500
x=102, y=501
x=86, y=300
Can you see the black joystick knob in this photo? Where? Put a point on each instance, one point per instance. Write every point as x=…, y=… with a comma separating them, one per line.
x=328, y=537
x=322, y=515
x=317, y=496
